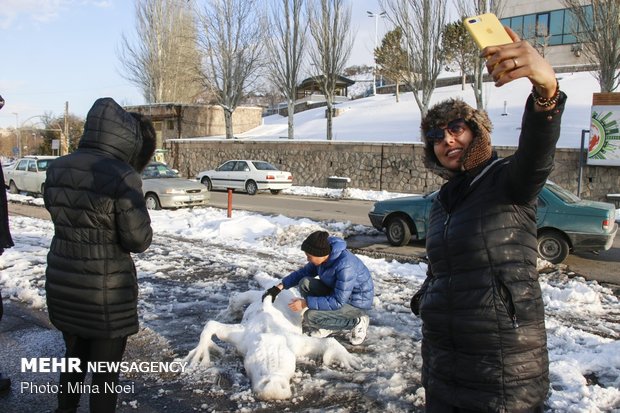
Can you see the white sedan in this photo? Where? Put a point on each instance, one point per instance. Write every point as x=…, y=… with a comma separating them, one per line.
x=247, y=175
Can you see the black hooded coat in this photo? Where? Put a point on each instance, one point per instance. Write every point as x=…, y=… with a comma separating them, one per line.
x=94, y=196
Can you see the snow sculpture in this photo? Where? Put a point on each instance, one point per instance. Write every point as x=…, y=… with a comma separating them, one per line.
x=270, y=340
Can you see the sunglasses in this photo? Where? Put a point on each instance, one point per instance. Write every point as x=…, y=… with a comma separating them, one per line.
x=455, y=128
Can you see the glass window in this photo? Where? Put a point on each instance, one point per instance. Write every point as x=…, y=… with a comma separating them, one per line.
x=555, y=40
x=242, y=166
x=529, y=26
x=562, y=193
x=32, y=166
x=556, y=27
x=516, y=24
x=542, y=24
x=170, y=124
x=556, y=22
x=228, y=166
x=264, y=166
x=42, y=164
x=22, y=165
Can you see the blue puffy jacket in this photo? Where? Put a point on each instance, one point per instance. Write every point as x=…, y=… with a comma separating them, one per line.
x=344, y=273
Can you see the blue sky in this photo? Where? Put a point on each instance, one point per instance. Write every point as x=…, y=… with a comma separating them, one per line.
x=57, y=51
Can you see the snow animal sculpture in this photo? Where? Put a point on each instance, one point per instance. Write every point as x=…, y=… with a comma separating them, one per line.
x=270, y=340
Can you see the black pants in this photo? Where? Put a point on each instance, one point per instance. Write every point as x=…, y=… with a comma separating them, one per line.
x=436, y=405
x=90, y=350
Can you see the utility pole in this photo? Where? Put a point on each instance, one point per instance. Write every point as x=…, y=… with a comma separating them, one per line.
x=374, y=71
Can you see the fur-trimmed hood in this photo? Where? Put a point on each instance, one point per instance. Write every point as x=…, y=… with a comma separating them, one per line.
x=477, y=120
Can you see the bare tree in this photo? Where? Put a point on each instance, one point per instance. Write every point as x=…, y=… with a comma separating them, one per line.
x=330, y=28
x=285, y=48
x=597, y=30
x=468, y=8
x=162, y=59
x=230, y=38
x=422, y=23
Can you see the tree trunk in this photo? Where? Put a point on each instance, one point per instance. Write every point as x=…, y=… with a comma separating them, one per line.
x=329, y=118
x=229, y=123
x=291, y=119
x=397, y=92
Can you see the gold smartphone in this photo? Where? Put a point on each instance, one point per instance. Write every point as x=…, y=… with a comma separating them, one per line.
x=486, y=30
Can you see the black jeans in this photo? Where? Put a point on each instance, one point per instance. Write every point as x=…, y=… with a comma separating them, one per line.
x=436, y=405
x=90, y=350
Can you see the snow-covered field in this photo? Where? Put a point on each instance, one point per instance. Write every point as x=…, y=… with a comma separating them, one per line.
x=200, y=258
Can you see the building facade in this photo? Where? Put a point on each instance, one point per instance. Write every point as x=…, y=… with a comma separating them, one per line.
x=175, y=121
x=549, y=26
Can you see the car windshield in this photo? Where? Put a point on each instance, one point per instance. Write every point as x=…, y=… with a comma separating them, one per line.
x=264, y=166
x=562, y=193
x=158, y=170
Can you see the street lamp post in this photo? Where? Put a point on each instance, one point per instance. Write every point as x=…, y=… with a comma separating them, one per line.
x=374, y=72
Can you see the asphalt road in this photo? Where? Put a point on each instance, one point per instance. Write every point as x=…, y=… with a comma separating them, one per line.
x=603, y=266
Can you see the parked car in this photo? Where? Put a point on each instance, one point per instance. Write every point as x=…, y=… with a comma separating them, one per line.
x=247, y=175
x=566, y=223
x=28, y=174
x=164, y=188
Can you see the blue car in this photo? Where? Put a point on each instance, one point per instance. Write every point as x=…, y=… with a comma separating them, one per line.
x=566, y=223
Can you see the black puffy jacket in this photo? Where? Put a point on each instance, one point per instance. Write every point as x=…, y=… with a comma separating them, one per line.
x=485, y=344
x=95, y=199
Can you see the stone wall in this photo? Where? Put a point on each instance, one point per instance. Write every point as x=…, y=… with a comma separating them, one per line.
x=389, y=167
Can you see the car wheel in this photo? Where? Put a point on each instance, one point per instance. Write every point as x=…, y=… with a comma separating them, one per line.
x=207, y=182
x=398, y=232
x=251, y=188
x=152, y=202
x=552, y=246
x=13, y=188
x=275, y=191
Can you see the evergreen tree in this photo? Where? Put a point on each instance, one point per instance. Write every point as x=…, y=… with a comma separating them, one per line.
x=459, y=49
x=391, y=57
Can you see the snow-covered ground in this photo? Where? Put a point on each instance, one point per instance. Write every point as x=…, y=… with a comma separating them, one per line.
x=200, y=258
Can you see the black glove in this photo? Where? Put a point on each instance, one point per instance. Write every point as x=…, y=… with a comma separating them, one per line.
x=273, y=292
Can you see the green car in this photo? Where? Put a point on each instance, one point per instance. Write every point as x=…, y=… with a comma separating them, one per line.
x=565, y=222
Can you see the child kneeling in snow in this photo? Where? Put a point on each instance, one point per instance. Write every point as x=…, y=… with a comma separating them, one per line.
x=339, y=298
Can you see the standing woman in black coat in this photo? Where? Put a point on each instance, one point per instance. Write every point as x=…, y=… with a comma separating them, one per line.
x=94, y=196
x=5, y=242
x=484, y=345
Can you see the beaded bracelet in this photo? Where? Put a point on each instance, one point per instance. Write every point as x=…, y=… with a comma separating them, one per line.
x=546, y=102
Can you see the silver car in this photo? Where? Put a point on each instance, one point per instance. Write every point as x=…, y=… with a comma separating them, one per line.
x=28, y=174
x=163, y=188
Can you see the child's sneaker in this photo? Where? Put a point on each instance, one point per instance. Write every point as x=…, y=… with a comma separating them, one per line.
x=358, y=334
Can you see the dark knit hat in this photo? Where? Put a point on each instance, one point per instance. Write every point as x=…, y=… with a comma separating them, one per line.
x=317, y=244
x=478, y=152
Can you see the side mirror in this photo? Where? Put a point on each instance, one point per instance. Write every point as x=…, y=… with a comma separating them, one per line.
x=1, y=102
